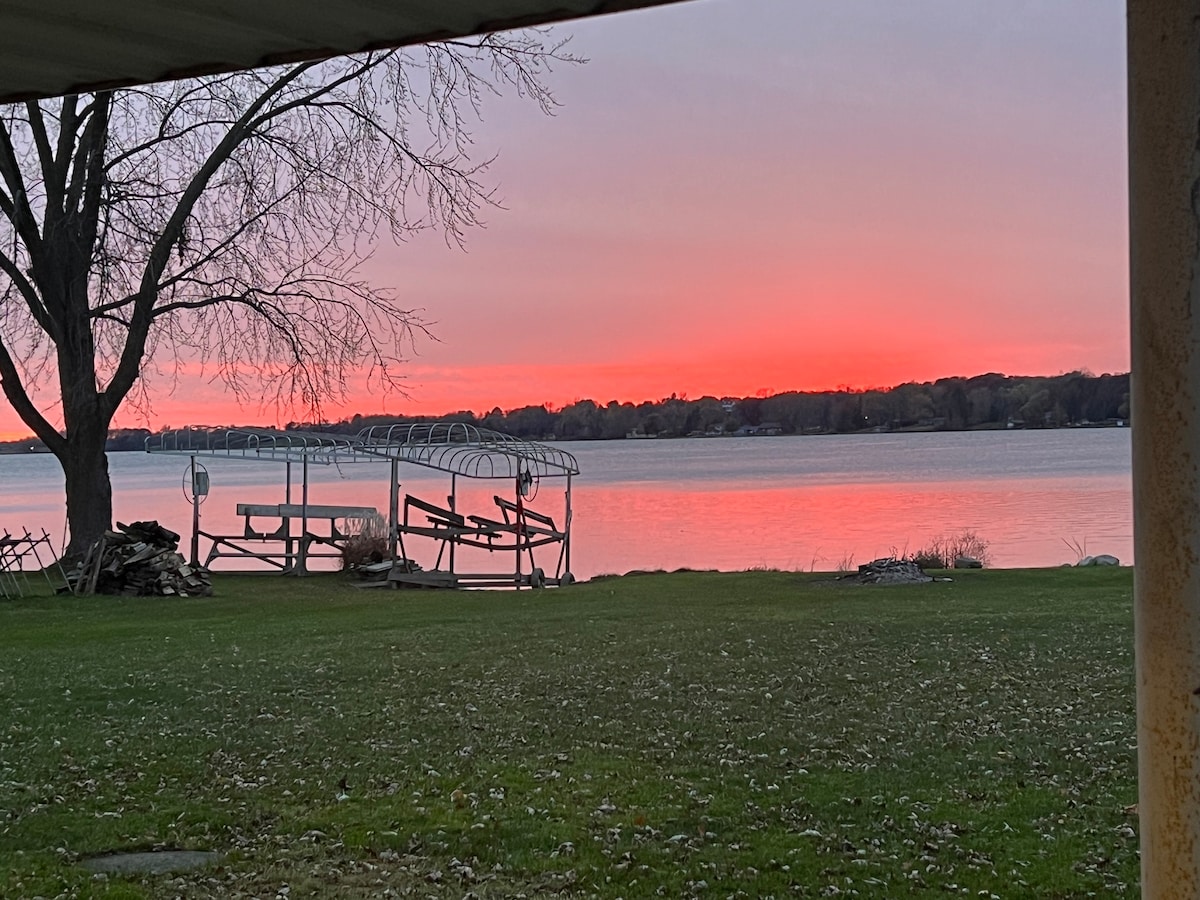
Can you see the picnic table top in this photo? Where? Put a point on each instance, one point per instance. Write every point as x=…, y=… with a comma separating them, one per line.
x=314, y=511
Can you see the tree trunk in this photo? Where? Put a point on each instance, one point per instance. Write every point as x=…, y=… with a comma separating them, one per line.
x=89, y=490
x=86, y=413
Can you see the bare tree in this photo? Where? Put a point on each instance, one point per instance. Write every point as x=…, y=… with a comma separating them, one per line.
x=222, y=222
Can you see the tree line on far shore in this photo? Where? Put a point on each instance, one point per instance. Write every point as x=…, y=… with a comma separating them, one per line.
x=989, y=401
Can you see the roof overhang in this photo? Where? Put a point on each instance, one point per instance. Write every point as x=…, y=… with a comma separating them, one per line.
x=72, y=46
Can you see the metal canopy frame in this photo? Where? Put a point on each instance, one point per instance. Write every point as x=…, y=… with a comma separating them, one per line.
x=461, y=449
x=454, y=448
x=257, y=444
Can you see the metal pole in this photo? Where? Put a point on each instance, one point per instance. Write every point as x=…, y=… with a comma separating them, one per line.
x=451, y=498
x=567, y=531
x=519, y=516
x=195, y=518
x=287, y=498
x=1164, y=189
x=393, y=508
x=303, y=549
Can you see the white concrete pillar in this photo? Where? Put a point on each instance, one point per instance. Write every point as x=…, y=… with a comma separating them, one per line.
x=1164, y=187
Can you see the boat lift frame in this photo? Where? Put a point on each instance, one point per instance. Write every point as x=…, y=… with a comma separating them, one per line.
x=302, y=448
x=463, y=450
x=455, y=448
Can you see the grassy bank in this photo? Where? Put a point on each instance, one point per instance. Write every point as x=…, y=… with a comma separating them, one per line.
x=747, y=734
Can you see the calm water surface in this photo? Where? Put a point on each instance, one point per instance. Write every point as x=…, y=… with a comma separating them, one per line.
x=728, y=503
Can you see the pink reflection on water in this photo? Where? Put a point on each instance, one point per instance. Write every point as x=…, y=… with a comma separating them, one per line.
x=1025, y=522
x=713, y=523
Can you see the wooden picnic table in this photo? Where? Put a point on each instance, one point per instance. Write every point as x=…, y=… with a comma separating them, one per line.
x=296, y=549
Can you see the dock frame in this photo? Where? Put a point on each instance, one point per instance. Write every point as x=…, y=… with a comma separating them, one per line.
x=457, y=449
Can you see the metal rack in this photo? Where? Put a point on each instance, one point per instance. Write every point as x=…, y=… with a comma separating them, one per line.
x=15, y=551
x=462, y=450
x=454, y=448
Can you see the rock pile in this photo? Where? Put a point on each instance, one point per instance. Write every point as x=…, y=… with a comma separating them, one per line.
x=138, y=560
x=890, y=571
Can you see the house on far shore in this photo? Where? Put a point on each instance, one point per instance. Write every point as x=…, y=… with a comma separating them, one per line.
x=766, y=429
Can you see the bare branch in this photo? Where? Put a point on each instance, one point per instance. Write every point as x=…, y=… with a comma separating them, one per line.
x=41, y=139
x=16, y=208
x=18, y=399
x=28, y=293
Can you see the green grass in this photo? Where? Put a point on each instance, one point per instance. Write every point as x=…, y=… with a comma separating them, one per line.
x=759, y=734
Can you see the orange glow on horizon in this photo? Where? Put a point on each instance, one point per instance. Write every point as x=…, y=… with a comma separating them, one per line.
x=511, y=387
x=706, y=370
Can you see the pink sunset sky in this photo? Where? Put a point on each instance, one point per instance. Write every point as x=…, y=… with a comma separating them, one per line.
x=765, y=195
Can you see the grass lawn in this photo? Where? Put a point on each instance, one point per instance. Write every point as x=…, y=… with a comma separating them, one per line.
x=748, y=735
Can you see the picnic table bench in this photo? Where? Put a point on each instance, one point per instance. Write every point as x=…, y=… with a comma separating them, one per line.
x=296, y=549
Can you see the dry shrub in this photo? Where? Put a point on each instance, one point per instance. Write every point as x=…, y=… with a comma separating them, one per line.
x=943, y=550
x=367, y=542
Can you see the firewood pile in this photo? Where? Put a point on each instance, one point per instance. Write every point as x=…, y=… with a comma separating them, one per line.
x=139, y=559
x=890, y=571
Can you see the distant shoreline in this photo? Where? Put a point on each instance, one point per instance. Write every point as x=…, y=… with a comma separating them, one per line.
x=989, y=402
x=31, y=446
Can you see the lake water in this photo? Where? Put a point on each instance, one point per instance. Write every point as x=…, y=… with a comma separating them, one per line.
x=727, y=503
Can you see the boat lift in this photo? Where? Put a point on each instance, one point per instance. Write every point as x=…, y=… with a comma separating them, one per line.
x=281, y=548
x=467, y=451
x=455, y=448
